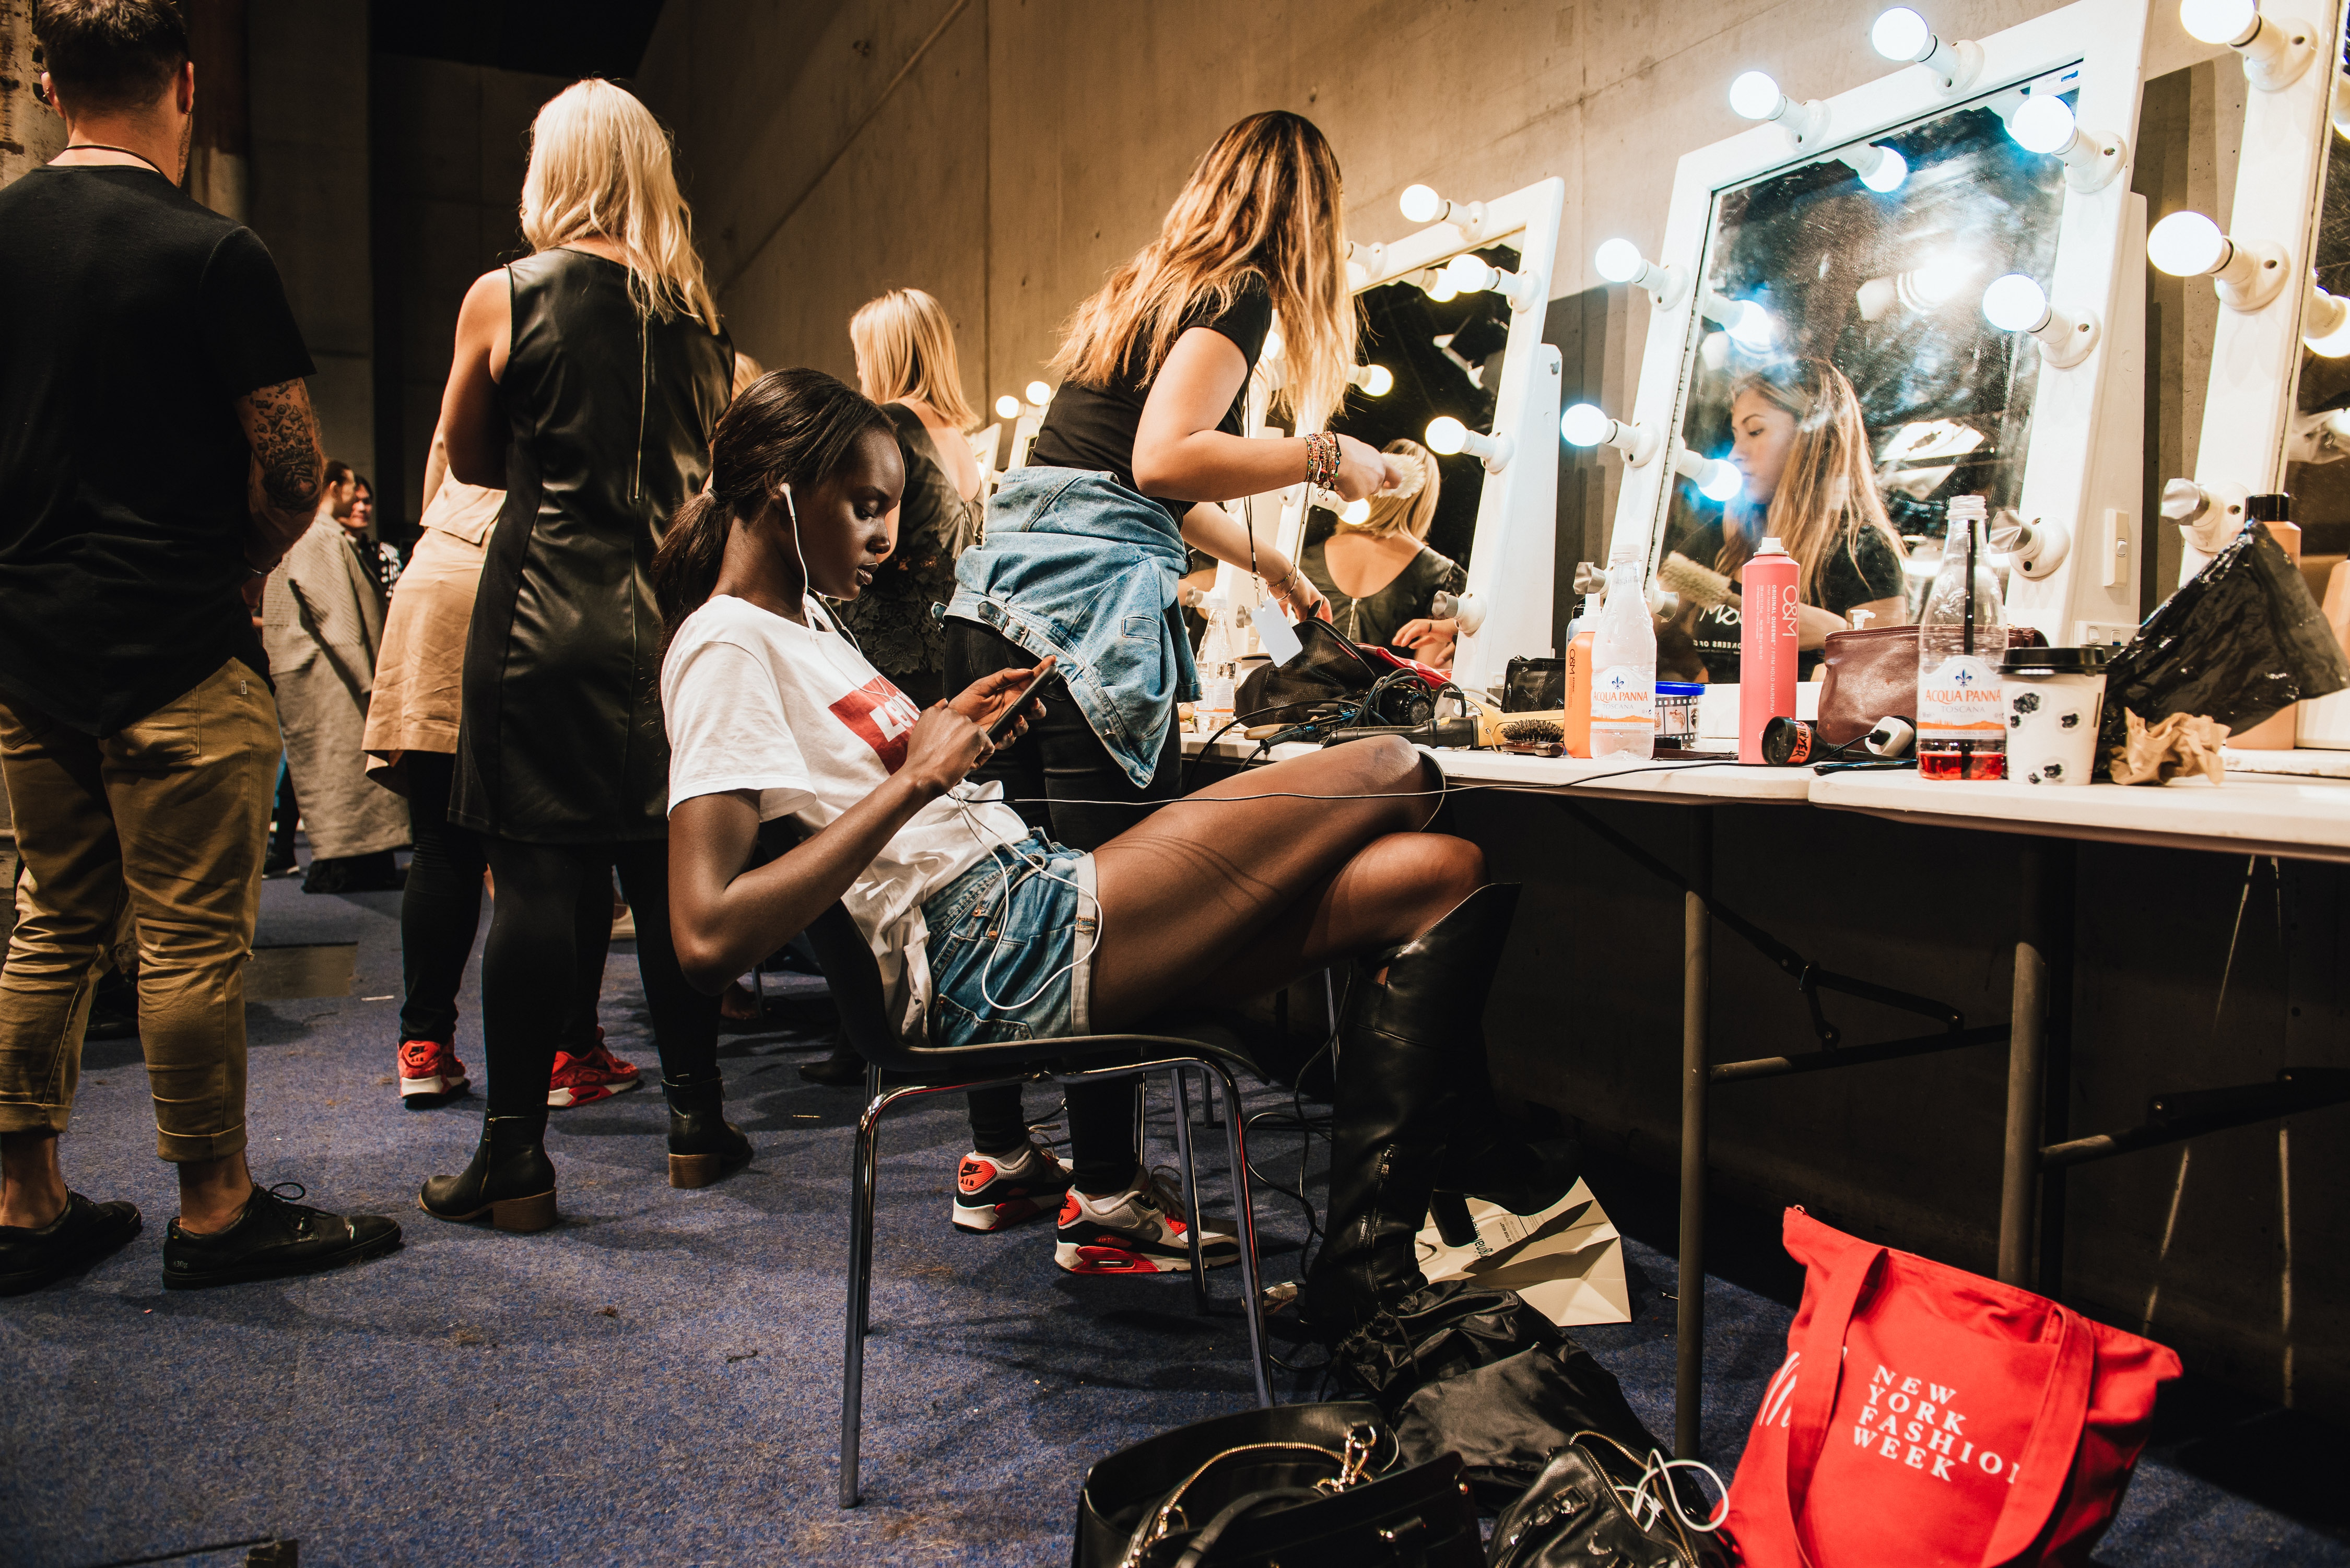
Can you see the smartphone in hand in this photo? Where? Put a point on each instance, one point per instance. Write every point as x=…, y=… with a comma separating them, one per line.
x=1021, y=706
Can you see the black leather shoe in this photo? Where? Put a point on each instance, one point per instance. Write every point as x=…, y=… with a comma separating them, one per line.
x=703, y=1146
x=114, y=1009
x=273, y=1238
x=844, y=1069
x=83, y=1234
x=510, y=1178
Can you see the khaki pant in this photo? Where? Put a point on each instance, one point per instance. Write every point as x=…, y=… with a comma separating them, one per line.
x=166, y=817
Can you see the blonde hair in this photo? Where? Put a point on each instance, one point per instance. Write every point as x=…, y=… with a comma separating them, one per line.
x=905, y=348
x=1266, y=202
x=1409, y=508
x=1828, y=492
x=599, y=167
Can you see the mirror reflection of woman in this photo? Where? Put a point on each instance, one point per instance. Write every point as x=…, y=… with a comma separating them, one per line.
x=1797, y=436
x=1381, y=575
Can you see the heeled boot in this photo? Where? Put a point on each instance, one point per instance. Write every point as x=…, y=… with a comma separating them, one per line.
x=510, y=1179
x=703, y=1146
x=1403, y=1045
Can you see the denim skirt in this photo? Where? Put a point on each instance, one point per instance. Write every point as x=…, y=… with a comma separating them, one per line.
x=1012, y=947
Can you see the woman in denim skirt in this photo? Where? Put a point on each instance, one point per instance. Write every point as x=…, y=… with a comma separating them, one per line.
x=1085, y=545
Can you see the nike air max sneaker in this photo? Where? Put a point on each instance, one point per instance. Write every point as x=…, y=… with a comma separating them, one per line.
x=1141, y=1230
x=993, y=1190
x=429, y=1075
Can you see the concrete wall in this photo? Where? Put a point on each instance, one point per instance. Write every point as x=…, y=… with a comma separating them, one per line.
x=451, y=144
x=308, y=76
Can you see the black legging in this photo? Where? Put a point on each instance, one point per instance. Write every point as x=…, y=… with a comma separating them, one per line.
x=530, y=965
x=1061, y=761
x=441, y=913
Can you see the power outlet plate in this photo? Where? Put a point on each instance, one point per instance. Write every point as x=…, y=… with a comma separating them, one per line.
x=2095, y=633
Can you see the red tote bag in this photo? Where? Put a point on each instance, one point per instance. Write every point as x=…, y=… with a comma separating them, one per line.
x=1934, y=1418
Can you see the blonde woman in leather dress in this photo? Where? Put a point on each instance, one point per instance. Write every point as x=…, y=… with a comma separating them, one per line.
x=587, y=380
x=1379, y=575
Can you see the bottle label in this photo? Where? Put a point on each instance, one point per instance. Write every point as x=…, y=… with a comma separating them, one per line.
x=1623, y=697
x=1961, y=701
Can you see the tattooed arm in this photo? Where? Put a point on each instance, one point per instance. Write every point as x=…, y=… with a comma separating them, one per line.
x=283, y=491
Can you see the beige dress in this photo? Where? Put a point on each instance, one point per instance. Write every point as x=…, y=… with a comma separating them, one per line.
x=420, y=676
x=321, y=624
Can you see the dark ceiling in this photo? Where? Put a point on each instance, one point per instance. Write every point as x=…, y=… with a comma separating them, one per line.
x=556, y=37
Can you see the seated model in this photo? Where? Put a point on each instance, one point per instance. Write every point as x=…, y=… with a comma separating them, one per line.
x=985, y=930
x=1381, y=576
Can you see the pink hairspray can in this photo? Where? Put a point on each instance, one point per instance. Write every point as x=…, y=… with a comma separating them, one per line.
x=1766, y=645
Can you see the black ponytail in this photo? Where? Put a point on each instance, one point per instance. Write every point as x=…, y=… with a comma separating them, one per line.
x=789, y=427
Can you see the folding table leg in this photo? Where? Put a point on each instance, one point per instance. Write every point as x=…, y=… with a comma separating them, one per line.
x=1696, y=986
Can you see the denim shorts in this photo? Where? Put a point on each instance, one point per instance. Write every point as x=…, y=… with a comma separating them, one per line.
x=1011, y=948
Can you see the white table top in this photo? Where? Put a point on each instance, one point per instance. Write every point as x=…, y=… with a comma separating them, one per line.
x=1717, y=783
x=2252, y=814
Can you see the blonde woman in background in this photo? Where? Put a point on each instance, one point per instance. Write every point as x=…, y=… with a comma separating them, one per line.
x=1379, y=575
x=906, y=362
x=1797, y=435
x=586, y=379
x=1084, y=550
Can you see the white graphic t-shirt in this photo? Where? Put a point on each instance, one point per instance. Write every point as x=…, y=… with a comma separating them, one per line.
x=754, y=701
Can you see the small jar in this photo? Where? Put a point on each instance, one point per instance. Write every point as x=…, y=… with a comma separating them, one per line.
x=1677, y=713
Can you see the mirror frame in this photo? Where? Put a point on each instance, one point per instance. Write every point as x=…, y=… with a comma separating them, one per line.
x=1513, y=554
x=2256, y=353
x=2082, y=464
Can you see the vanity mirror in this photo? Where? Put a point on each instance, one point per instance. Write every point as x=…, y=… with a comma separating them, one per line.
x=1452, y=331
x=1925, y=287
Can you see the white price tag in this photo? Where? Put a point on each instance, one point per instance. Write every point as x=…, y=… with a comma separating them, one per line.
x=1273, y=630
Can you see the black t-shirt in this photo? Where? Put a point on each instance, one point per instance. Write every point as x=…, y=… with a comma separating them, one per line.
x=133, y=320
x=1868, y=570
x=1093, y=427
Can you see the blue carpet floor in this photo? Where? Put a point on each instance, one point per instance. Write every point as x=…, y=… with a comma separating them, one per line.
x=656, y=1380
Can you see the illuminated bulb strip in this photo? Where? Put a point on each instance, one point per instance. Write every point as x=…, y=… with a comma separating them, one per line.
x=1620, y=261
x=1756, y=97
x=2248, y=274
x=1469, y=275
x=1715, y=478
x=2018, y=304
x=2045, y=124
x=1448, y=436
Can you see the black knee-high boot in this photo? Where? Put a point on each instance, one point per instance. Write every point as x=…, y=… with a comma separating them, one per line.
x=1405, y=1047
x=703, y=1146
x=510, y=1178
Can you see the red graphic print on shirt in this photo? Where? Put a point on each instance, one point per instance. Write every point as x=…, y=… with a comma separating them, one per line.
x=882, y=716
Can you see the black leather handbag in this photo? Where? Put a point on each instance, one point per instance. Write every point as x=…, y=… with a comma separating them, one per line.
x=1297, y=1486
x=1598, y=1502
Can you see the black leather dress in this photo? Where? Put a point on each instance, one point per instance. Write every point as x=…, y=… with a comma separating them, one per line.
x=561, y=739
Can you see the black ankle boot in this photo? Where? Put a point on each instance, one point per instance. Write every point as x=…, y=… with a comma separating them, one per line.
x=1400, y=1064
x=703, y=1146
x=510, y=1179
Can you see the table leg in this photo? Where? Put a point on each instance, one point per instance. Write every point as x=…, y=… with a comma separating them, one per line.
x=2027, y=1066
x=1697, y=968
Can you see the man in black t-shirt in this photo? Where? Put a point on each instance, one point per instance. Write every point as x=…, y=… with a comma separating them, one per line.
x=158, y=455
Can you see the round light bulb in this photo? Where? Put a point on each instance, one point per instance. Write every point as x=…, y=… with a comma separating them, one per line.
x=1754, y=328
x=2219, y=20
x=1468, y=274
x=2015, y=304
x=1039, y=393
x=1722, y=482
x=1585, y=425
x=1438, y=284
x=1755, y=96
x=1355, y=512
x=2187, y=244
x=1377, y=380
x=1890, y=170
x=1272, y=342
x=1420, y=203
x=1447, y=435
x=2043, y=124
x=1618, y=261
x=1900, y=34
x=1007, y=406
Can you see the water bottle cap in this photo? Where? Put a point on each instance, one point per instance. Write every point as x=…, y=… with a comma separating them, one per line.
x=1770, y=545
x=1965, y=507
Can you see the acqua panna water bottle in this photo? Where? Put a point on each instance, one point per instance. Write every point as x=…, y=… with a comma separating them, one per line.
x=1961, y=638
x=1624, y=667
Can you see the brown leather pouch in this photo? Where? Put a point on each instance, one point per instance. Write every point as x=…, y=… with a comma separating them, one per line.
x=1868, y=674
